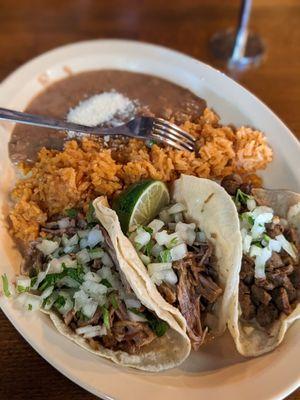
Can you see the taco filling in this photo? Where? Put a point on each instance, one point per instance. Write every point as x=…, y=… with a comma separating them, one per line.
x=180, y=261
x=270, y=271
x=72, y=270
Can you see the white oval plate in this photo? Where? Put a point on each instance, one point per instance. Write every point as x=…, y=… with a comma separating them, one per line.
x=217, y=371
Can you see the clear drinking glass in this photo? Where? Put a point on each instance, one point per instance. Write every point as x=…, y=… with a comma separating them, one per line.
x=238, y=47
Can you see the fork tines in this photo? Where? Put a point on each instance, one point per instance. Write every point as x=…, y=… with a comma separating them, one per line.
x=171, y=134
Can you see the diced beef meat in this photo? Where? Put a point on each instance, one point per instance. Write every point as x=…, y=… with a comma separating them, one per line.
x=247, y=306
x=266, y=314
x=295, y=278
x=247, y=270
x=290, y=288
x=274, y=261
x=246, y=187
x=274, y=230
x=260, y=295
x=168, y=292
x=231, y=183
x=281, y=300
x=264, y=283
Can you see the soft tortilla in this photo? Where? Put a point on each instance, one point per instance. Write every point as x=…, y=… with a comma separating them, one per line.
x=164, y=352
x=213, y=210
x=253, y=340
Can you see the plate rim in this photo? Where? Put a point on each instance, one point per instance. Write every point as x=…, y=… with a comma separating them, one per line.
x=14, y=75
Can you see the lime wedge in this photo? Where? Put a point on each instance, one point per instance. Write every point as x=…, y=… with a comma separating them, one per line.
x=140, y=203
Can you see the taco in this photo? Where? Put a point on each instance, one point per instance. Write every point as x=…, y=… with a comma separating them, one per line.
x=191, y=252
x=76, y=274
x=267, y=293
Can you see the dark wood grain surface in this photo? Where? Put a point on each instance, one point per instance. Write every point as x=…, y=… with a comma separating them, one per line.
x=30, y=27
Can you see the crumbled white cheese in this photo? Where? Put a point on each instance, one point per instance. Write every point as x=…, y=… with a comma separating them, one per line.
x=110, y=107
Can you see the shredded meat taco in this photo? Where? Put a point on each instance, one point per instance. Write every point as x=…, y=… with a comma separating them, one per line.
x=76, y=274
x=189, y=251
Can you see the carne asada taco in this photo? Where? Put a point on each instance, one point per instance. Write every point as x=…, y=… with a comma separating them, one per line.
x=267, y=293
x=191, y=251
x=77, y=276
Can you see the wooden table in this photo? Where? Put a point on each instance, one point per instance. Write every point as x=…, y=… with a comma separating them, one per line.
x=29, y=27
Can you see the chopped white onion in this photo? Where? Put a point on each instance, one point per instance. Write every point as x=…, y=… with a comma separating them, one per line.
x=90, y=308
x=186, y=232
x=69, y=282
x=255, y=251
x=287, y=246
x=55, y=265
x=47, y=292
x=251, y=204
x=83, y=256
x=132, y=303
x=156, y=250
x=106, y=260
x=91, y=331
x=83, y=243
x=178, y=217
x=63, y=223
x=165, y=216
x=176, y=208
x=95, y=236
x=146, y=260
x=247, y=243
x=178, y=252
x=92, y=276
x=156, y=225
x=69, y=249
x=47, y=246
x=167, y=275
x=142, y=238
x=260, y=262
x=23, y=283
x=94, y=289
x=73, y=240
x=274, y=245
x=136, y=317
x=158, y=267
x=83, y=233
x=68, y=306
x=40, y=277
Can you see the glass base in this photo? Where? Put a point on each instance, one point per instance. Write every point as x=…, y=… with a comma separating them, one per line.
x=222, y=44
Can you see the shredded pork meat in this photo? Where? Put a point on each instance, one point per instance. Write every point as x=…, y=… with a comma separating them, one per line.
x=196, y=291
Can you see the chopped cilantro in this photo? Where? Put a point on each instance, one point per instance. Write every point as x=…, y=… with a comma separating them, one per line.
x=105, y=317
x=172, y=243
x=158, y=326
x=29, y=307
x=257, y=243
x=21, y=289
x=5, y=285
x=148, y=229
x=90, y=216
x=60, y=302
x=33, y=281
x=114, y=301
x=242, y=197
x=165, y=256
x=266, y=238
x=52, y=279
x=106, y=283
x=72, y=212
x=147, y=249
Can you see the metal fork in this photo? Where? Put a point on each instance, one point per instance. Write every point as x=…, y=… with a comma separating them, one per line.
x=144, y=128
